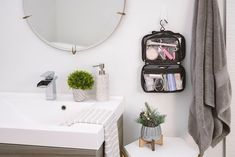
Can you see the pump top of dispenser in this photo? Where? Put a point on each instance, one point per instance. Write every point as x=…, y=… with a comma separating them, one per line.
x=101, y=68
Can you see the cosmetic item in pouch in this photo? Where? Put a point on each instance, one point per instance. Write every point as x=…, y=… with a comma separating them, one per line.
x=168, y=54
x=165, y=82
x=149, y=82
x=158, y=82
x=151, y=53
x=171, y=82
x=102, y=84
x=173, y=54
x=178, y=81
x=161, y=53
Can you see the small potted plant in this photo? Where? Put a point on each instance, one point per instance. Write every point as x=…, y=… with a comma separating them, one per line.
x=150, y=120
x=80, y=81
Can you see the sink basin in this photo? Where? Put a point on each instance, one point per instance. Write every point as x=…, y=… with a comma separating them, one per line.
x=33, y=108
x=29, y=119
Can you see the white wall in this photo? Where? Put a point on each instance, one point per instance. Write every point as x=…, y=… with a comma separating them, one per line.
x=231, y=63
x=23, y=57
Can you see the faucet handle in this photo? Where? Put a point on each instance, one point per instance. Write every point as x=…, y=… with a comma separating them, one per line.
x=48, y=75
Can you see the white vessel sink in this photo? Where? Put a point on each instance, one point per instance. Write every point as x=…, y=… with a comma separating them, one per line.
x=29, y=119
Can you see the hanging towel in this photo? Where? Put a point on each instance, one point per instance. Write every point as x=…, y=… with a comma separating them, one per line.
x=209, y=117
x=107, y=119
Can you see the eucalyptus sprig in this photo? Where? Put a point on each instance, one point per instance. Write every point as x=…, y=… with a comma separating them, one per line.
x=150, y=117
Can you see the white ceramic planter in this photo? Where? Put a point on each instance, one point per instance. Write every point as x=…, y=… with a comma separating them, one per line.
x=79, y=95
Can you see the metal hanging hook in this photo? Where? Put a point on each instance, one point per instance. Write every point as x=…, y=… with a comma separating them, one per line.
x=74, y=50
x=162, y=23
x=25, y=17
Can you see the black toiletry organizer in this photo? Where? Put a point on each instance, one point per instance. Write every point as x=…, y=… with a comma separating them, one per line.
x=162, y=53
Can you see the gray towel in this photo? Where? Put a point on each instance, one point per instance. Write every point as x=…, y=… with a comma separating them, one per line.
x=209, y=117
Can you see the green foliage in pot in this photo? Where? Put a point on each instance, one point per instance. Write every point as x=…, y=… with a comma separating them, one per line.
x=80, y=79
x=150, y=117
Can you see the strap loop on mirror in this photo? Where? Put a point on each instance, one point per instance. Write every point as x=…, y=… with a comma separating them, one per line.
x=25, y=17
x=121, y=13
x=74, y=50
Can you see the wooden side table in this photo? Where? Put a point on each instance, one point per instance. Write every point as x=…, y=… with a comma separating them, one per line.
x=172, y=147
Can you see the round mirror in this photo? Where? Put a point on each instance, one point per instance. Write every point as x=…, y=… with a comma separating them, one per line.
x=73, y=25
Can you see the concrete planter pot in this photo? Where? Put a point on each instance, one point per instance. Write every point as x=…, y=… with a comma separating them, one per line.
x=151, y=133
x=79, y=95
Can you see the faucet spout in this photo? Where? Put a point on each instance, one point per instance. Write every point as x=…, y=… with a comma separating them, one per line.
x=49, y=82
x=43, y=83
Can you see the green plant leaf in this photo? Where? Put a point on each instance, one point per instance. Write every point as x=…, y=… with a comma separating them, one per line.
x=80, y=79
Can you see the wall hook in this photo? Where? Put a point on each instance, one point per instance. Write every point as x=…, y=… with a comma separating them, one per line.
x=74, y=50
x=162, y=23
x=121, y=13
x=25, y=17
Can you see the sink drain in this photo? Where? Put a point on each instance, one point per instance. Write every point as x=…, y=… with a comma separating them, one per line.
x=63, y=107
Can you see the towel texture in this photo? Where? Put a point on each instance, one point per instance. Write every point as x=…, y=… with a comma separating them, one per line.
x=107, y=119
x=209, y=117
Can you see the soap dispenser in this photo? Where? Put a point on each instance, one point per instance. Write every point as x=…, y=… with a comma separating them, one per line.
x=102, y=84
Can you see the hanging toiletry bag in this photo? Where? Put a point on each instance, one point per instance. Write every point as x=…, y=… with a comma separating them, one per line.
x=162, y=53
